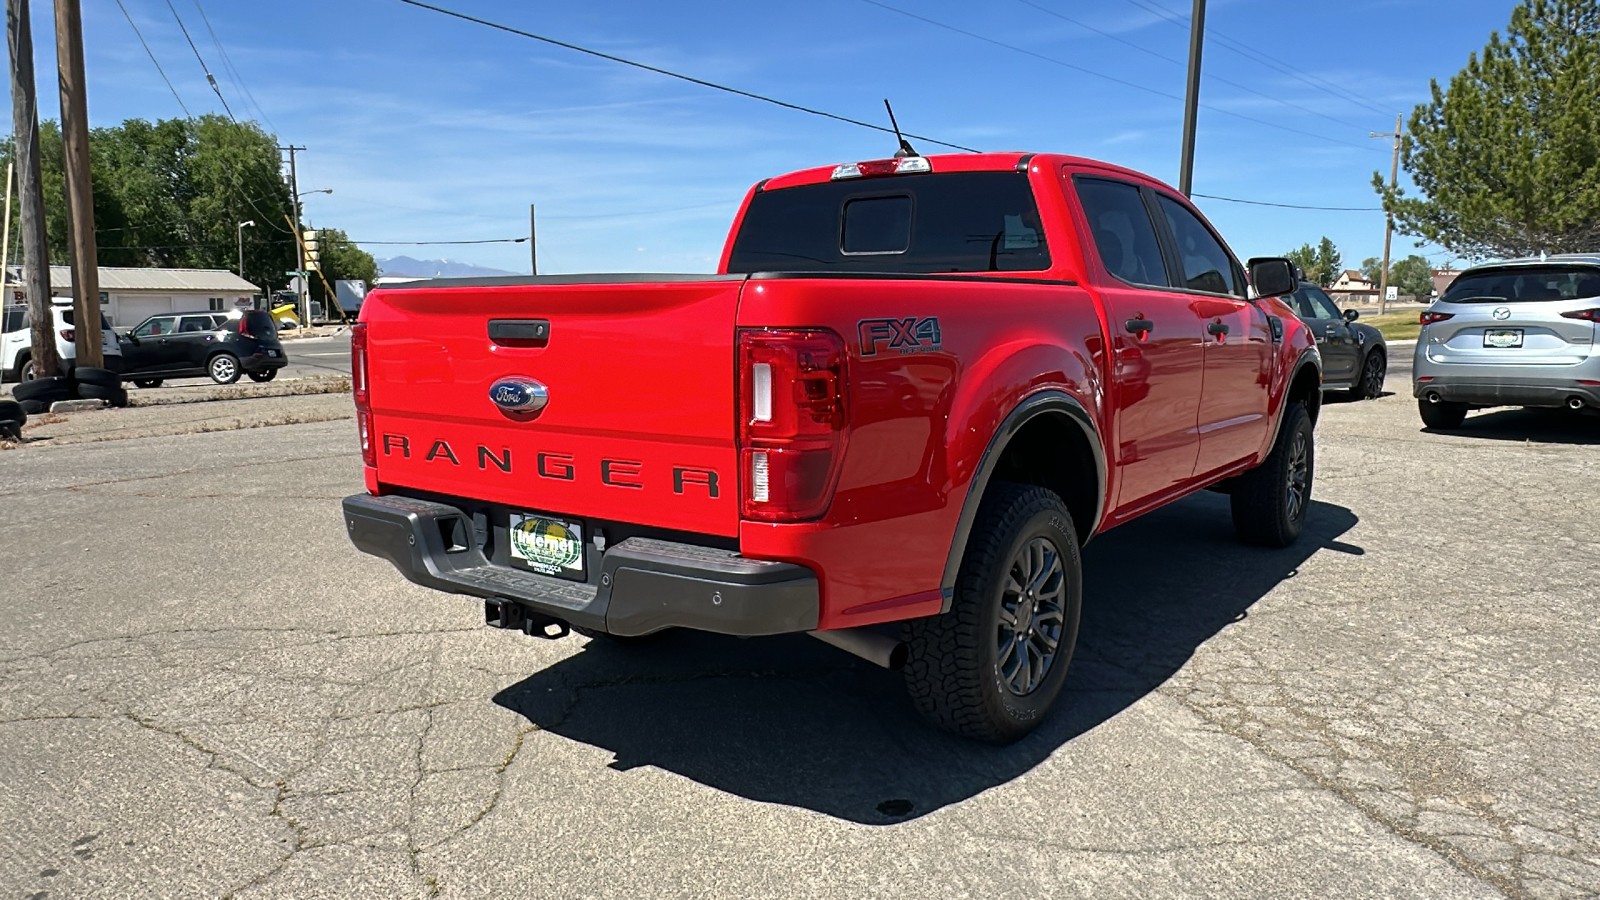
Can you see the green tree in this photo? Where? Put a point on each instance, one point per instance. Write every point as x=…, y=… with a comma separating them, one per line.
x=173, y=192
x=1507, y=160
x=340, y=259
x=1320, y=264
x=1372, y=269
x=1413, y=276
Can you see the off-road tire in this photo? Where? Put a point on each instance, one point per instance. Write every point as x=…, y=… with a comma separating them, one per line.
x=44, y=390
x=84, y=375
x=1265, y=510
x=1441, y=416
x=263, y=377
x=953, y=665
x=12, y=411
x=34, y=407
x=224, y=368
x=11, y=430
x=116, y=396
x=1374, y=367
x=147, y=382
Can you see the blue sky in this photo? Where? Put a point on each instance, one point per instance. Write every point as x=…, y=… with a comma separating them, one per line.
x=430, y=128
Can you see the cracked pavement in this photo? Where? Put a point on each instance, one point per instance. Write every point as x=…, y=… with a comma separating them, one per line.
x=204, y=691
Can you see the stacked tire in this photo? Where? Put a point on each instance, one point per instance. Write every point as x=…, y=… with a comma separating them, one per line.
x=90, y=383
x=36, y=396
x=12, y=418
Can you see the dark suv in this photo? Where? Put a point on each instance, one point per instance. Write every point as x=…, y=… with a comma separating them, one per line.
x=184, y=345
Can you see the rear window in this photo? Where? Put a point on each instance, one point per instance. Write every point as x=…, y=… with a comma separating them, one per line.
x=1525, y=284
x=960, y=222
x=68, y=314
x=259, y=323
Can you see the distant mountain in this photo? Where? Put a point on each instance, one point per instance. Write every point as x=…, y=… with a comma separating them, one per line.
x=405, y=266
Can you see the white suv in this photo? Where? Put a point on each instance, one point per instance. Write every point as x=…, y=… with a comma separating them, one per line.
x=16, y=342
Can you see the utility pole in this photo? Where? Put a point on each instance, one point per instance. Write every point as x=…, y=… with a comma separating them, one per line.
x=25, y=124
x=533, y=245
x=80, y=189
x=1191, y=101
x=302, y=300
x=1388, y=229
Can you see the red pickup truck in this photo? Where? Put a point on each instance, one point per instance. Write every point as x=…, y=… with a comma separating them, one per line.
x=913, y=390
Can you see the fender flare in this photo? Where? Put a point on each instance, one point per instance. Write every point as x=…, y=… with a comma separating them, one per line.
x=1310, y=358
x=1043, y=403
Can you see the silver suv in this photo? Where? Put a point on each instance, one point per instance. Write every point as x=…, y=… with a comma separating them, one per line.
x=1517, y=333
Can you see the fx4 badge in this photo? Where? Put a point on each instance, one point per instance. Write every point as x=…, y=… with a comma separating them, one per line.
x=911, y=335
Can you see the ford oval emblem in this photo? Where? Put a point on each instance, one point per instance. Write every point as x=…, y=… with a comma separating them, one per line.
x=517, y=394
x=1502, y=313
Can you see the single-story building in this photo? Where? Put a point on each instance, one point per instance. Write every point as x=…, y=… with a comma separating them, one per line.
x=128, y=296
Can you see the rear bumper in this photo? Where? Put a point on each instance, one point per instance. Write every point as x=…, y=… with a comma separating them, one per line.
x=261, y=362
x=1509, y=392
x=640, y=586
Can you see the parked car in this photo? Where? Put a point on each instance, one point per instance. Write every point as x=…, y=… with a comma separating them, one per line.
x=217, y=344
x=1355, y=357
x=1514, y=333
x=912, y=389
x=16, y=342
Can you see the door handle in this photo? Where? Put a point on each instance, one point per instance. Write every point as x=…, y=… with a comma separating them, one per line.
x=1217, y=328
x=1140, y=327
x=1331, y=328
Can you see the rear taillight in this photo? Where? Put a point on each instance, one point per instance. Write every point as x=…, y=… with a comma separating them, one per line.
x=1588, y=315
x=69, y=334
x=901, y=165
x=244, y=328
x=358, y=388
x=793, y=421
x=1429, y=317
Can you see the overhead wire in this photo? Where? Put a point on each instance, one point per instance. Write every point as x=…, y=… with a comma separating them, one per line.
x=1178, y=62
x=1288, y=205
x=1255, y=55
x=1101, y=75
x=233, y=71
x=210, y=78
x=678, y=75
x=153, y=59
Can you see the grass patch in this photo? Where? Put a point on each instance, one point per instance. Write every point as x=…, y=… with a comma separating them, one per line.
x=1395, y=326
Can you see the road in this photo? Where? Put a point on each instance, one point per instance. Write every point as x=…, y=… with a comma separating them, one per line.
x=205, y=691
x=317, y=356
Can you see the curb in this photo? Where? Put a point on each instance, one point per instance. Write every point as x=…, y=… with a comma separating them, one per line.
x=67, y=406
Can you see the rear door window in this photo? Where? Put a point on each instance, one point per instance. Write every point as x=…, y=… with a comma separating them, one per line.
x=260, y=325
x=956, y=222
x=156, y=326
x=1122, y=231
x=14, y=318
x=1525, y=284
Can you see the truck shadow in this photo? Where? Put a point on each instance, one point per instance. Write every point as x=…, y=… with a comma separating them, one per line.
x=792, y=721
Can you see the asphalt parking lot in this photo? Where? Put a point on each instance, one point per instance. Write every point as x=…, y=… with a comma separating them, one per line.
x=205, y=691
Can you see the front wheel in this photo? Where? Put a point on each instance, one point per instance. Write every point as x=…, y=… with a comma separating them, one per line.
x=147, y=382
x=224, y=368
x=992, y=667
x=1373, y=369
x=263, y=377
x=1270, y=501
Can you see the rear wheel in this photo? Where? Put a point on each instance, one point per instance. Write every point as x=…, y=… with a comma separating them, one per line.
x=223, y=368
x=147, y=382
x=1442, y=415
x=263, y=377
x=992, y=667
x=1269, y=502
x=1373, y=369
x=25, y=370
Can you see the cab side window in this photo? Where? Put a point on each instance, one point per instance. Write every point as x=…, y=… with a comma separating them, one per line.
x=154, y=327
x=1321, y=305
x=1207, y=265
x=1122, y=231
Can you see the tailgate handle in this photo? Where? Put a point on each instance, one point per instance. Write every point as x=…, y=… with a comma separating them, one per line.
x=520, y=332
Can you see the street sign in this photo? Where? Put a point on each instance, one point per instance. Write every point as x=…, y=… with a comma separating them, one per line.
x=1393, y=294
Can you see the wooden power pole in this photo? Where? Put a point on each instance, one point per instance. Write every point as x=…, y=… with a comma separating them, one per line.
x=1388, y=229
x=80, y=189
x=1191, y=100
x=25, y=125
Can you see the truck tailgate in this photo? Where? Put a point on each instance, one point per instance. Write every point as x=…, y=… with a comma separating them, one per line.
x=638, y=426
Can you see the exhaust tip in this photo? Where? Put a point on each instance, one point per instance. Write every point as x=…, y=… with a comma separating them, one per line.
x=1575, y=403
x=1433, y=397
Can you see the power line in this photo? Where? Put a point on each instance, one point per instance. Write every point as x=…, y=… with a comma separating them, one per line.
x=1255, y=55
x=227, y=63
x=519, y=240
x=153, y=59
x=1212, y=77
x=1088, y=71
x=1289, y=205
x=681, y=77
x=212, y=79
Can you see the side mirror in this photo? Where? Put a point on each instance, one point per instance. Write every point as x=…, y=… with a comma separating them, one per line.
x=129, y=337
x=1272, y=276
x=1350, y=315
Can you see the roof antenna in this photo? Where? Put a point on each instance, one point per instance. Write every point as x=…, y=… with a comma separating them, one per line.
x=905, y=146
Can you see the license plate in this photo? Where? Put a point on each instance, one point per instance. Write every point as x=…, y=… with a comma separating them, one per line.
x=272, y=353
x=548, y=545
x=1502, y=337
